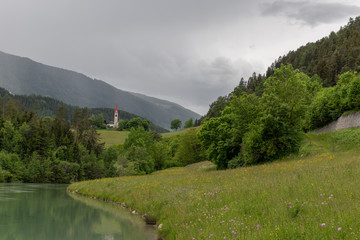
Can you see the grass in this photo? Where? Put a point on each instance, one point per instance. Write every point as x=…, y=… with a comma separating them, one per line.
x=312, y=195
x=179, y=132
x=112, y=137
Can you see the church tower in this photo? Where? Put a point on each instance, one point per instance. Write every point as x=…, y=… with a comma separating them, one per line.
x=116, y=117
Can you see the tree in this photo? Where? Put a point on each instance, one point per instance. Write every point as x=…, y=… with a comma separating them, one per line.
x=217, y=107
x=189, y=123
x=222, y=136
x=136, y=155
x=175, y=124
x=139, y=122
x=98, y=121
x=189, y=150
x=283, y=105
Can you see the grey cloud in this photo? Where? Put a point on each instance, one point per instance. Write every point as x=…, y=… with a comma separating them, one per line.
x=310, y=13
x=180, y=50
x=179, y=78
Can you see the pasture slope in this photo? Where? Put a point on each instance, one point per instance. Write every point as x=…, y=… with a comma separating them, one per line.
x=311, y=195
x=112, y=137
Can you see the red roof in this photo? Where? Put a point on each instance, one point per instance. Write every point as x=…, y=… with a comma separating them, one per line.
x=116, y=109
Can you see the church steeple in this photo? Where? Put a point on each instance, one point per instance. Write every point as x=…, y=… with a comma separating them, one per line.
x=116, y=117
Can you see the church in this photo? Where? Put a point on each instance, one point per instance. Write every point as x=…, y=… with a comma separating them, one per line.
x=115, y=123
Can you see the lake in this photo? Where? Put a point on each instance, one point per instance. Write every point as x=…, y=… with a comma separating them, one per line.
x=48, y=212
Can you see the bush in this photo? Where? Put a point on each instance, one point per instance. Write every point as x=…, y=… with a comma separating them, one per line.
x=110, y=156
x=14, y=167
x=161, y=152
x=189, y=150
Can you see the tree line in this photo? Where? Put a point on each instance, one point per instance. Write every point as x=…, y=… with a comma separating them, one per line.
x=325, y=59
x=254, y=128
x=46, y=106
x=51, y=150
x=47, y=149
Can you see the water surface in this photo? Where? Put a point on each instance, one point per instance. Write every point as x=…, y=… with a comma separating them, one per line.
x=47, y=212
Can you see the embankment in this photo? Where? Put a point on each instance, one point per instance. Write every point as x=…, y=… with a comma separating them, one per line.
x=349, y=121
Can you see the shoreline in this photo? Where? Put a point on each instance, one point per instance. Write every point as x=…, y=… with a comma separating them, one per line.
x=148, y=222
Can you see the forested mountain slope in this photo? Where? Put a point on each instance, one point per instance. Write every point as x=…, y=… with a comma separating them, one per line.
x=323, y=60
x=24, y=76
x=332, y=55
x=46, y=106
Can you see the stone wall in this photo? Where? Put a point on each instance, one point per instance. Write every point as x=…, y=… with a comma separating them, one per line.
x=349, y=121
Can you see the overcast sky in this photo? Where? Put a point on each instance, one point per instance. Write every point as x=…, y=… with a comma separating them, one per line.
x=186, y=51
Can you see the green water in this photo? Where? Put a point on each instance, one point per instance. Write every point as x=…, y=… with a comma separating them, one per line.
x=48, y=212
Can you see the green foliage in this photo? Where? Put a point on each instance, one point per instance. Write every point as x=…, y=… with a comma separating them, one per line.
x=40, y=170
x=252, y=129
x=189, y=150
x=10, y=138
x=134, y=123
x=330, y=103
x=137, y=151
x=175, y=124
x=110, y=156
x=222, y=137
x=216, y=137
x=92, y=167
x=46, y=106
x=189, y=123
x=283, y=106
x=353, y=96
x=46, y=150
x=142, y=160
x=98, y=121
x=161, y=153
x=321, y=187
x=329, y=57
x=217, y=107
x=12, y=165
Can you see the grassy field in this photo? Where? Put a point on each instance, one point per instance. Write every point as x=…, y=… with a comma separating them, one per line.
x=313, y=195
x=180, y=132
x=111, y=137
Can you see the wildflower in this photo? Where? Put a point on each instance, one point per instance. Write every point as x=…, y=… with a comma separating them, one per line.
x=339, y=229
x=323, y=224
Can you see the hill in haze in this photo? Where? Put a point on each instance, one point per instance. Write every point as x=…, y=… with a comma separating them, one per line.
x=46, y=106
x=24, y=76
x=324, y=60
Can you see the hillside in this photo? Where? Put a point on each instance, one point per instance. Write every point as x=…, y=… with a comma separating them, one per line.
x=323, y=60
x=328, y=57
x=46, y=106
x=23, y=76
x=311, y=195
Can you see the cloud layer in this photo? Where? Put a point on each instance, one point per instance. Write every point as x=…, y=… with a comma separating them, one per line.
x=310, y=12
x=186, y=51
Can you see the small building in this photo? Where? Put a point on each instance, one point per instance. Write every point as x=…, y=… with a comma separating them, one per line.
x=115, y=123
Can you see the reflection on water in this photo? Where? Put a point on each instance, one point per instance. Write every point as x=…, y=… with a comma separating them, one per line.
x=47, y=212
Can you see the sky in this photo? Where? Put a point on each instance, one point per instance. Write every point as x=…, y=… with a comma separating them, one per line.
x=186, y=51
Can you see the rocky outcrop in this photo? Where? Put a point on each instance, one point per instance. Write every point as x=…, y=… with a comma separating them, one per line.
x=349, y=121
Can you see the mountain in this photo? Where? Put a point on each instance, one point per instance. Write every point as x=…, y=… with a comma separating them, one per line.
x=328, y=57
x=324, y=60
x=46, y=106
x=24, y=76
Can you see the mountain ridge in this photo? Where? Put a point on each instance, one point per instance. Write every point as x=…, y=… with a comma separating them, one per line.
x=23, y=76
x=46, y=106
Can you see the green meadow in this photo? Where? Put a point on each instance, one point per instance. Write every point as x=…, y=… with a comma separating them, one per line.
x=313, y=194
x=179, y=132
x=112, y=137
